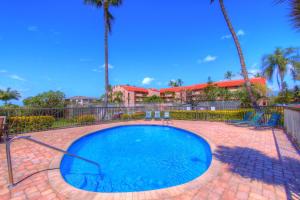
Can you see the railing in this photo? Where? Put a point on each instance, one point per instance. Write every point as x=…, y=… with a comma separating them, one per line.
x=292, y=123
x=9, y=163
x=25, y=120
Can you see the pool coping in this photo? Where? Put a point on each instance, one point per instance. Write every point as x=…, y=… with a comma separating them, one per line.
x=63, y=188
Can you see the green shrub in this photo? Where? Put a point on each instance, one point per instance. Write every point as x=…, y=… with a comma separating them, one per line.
x=125, y=117
x=135, y=116
x=138, y=115
x=221, y=115
x=85, y=119
x=29, y=123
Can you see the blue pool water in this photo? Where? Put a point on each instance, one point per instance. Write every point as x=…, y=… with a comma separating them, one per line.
x=136, y=158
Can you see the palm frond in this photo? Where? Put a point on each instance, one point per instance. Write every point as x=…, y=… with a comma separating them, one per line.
x=115, y=3
x=109, y=20
x=97, y=3
x=295, y=11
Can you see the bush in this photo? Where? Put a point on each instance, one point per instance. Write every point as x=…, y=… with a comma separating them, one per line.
x=29, y=123
x=85, y=119
x=136, y=116
x=221, y=115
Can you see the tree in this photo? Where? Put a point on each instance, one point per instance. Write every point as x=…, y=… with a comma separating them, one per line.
x=224, y=94
x=50, y=99
x=259, y=91
x=117, y=97
x=179, y=82
x=153, y=99
x=108, y=19
x=295, y=11
x=8, y=94
x=176, y=83
x=278, y=64
x=228, y=75
x=240, y=53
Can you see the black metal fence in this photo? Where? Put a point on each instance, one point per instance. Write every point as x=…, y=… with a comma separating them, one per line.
x=39, y=119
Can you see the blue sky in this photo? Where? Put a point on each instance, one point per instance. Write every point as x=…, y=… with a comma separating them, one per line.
x=58, y=44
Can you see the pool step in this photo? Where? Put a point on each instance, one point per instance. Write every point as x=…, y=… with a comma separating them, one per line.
x=76, y=180
x=85, y=181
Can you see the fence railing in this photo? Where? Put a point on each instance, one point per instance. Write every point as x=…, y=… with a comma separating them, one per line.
x=23, y=120
x=292, y=123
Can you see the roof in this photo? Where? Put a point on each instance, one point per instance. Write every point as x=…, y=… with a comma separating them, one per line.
x=153, y=89
x=231, y=83
x=173, y=89
x=134, y=89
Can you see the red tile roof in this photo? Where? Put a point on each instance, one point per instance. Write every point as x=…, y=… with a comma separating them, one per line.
x=233, y=83
x=153, y=89
x=173, y=89
x=135, y=89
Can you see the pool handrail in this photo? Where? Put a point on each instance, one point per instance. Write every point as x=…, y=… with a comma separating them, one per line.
x=8, y=155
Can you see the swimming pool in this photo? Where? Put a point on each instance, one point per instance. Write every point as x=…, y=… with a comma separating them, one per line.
x=136, y=158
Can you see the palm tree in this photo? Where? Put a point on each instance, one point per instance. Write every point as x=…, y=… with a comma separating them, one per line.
x=176, y=83
x=295, y=11
x=117, y=97
x=240, y=53
x=179, y=82
x=8, y=94
x=228, y=75
x=108, y=19
x=173, y=83
x=279, y=63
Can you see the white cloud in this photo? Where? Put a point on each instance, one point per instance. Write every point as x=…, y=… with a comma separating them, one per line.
x=100, y=69
x=3, y=71
x=16, y=77
x=147, y=80
x=226, y=37
x=208, y=58
x=109, y=66
x=32, y=28
x=240, y=33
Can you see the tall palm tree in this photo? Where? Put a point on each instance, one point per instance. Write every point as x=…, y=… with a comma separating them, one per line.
x=279, y=63
x=240, y=53
x=8, y=94
x=108, y=19
x=295, y=11
x=228, y=75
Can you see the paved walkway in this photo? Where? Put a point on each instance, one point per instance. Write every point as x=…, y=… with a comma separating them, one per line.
x=254, y=164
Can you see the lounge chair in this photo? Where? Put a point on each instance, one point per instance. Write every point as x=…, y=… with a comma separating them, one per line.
x=148, y=115
x=246, y=118
x=157, y=115
x=167, y=115
x=271, y=123
x=256, y=120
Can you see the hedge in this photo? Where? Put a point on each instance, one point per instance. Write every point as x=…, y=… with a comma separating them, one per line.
x=221, y=115
x=30, y=123
x=135, y=116
x=85, y=119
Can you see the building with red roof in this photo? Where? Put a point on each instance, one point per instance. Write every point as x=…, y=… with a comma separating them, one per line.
x=134, y=95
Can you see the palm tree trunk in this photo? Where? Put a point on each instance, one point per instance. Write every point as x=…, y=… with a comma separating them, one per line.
x=240, y=53
x=105, y=7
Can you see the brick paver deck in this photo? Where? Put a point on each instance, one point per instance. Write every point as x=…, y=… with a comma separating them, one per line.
x=254, y=164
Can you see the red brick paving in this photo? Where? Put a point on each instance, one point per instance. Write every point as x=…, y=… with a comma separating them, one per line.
x=254, y=164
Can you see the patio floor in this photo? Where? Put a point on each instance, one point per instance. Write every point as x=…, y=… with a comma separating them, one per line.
x=253, y=164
